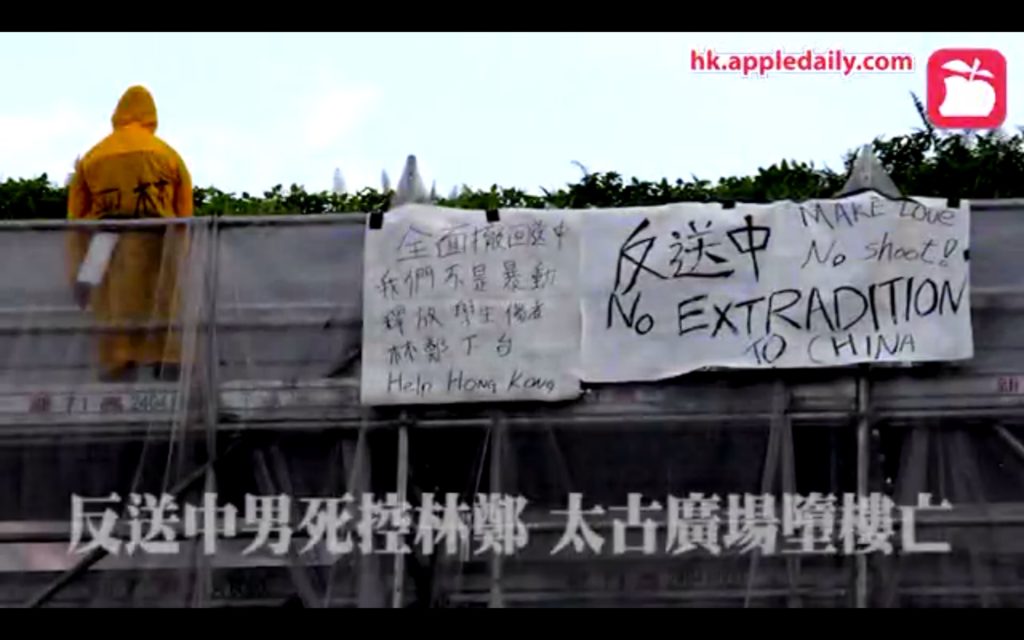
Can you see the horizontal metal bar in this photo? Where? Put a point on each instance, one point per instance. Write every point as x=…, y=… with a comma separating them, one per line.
x=111, y=225
x=345, y=219
x=987, y=204
x=995, y=204
x=938, y=413
x=229, y=221
x=86, y=325
x=995, y=291
x=826, y=418
x=66, y=432
x=284, y=316
x=332, y=403
x=737, y=593
x=222, y=602
x=68, y=438
x=632, y=595
x=297, y=423
x=236, y=421
x=224, y=307
x=959, y=591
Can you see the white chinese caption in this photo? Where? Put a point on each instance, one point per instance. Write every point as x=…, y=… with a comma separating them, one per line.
x=494, y=523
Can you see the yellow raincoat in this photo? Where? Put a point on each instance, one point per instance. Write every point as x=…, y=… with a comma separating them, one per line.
x=133, y=174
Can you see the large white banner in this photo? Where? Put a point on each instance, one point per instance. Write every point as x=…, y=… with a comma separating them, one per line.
x=459, y=309
x=672, y=289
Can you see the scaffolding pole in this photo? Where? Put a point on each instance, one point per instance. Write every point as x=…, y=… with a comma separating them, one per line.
x=357, y=459
x=211, y=385
x=863, y=474
x=398, y=591
x=779, y=470
x=497, y=453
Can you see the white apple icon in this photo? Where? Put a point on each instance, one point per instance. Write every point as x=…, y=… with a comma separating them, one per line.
x=967, y=97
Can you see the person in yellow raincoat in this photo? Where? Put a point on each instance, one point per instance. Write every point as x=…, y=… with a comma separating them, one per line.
x=133, y=174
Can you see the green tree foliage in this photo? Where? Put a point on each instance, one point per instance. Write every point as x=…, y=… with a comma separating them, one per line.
x=32, y=198
x=922, y=163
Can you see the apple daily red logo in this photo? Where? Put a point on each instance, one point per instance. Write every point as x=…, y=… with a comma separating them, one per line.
x=967, y=89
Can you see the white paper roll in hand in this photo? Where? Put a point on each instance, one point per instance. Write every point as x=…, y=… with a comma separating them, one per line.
x=97, y=259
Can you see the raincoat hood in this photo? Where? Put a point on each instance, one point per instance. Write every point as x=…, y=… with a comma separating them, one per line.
x=135, y=107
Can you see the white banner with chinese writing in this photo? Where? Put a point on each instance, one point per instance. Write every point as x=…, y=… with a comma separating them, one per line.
x=459, y=309
x=672, y=289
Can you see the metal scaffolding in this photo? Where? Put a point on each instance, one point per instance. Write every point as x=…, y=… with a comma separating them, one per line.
x=246, y=409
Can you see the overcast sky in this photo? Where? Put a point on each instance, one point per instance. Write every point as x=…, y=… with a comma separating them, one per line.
x=248, y=111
